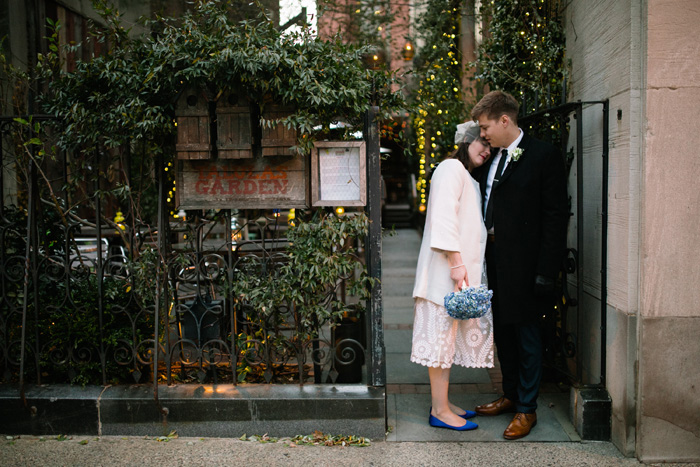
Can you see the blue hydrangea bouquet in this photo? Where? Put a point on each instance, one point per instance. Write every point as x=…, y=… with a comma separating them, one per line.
x=470, y=302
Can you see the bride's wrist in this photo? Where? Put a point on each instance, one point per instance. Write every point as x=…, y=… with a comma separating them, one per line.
x=454, y=259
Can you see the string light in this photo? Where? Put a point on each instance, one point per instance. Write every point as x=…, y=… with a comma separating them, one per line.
x=438, y=92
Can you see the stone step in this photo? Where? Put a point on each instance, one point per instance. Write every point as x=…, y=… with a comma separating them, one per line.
x=196, y=410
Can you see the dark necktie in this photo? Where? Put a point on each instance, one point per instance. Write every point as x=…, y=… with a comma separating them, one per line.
x=489, y=207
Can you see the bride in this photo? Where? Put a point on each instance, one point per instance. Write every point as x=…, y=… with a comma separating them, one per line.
x=452, y=254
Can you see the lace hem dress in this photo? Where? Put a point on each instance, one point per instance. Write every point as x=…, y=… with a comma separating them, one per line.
x=441, y=341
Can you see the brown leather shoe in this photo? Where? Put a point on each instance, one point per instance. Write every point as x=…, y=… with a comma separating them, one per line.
x=520, y=426
x=497, y=407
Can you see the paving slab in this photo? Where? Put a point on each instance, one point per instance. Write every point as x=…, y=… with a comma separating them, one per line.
x=391, y=418
x=558, y=402
x=399, y=341
x=401, y=261
x=399, y=287
x=400, y=237
x=393, y=272
x=412, y=422
x=398, y=310
x=401, y=303
x=401, y=370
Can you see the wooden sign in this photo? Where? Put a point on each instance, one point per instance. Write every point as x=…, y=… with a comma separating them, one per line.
x=261, y=183
x=338, y=173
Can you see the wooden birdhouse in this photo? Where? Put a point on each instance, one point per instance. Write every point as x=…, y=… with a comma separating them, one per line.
x=234, y=133
x=277, y=140
x=193, y=130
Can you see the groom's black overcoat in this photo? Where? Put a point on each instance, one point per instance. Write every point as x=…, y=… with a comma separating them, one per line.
x=530, y=217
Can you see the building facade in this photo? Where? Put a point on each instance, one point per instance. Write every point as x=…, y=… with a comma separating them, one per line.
x=638, y=55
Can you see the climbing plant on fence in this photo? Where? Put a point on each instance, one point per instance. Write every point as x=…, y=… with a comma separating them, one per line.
x=111, y=143
x=130, y=92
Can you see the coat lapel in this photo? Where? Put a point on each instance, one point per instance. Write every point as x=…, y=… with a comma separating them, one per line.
x=512, y=166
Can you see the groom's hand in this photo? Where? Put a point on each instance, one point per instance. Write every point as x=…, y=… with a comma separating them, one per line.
x=544, y=286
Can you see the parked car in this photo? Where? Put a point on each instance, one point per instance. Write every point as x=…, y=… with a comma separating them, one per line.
x=114, y=257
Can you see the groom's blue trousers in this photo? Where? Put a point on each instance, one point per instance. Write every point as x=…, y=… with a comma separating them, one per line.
x=519, y=349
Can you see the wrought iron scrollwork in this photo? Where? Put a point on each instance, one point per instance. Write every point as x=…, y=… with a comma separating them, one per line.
x=93, y=299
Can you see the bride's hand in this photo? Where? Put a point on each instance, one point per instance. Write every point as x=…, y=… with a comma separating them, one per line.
x=459, y=276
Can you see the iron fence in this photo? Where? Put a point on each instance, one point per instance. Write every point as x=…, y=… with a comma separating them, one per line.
x=87, y=300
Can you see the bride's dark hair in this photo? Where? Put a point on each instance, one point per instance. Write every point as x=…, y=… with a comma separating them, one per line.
x=461, y=154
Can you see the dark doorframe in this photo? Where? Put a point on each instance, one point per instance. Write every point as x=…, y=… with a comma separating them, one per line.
x=376, y=364
x=541, y=120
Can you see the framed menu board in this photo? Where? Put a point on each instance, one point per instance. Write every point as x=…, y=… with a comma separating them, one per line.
x=338, y=173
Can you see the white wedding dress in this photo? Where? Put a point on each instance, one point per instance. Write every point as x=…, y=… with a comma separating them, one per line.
x=441, y=341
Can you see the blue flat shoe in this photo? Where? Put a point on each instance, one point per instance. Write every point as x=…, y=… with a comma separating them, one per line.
x=466, y=415
x=437, y=423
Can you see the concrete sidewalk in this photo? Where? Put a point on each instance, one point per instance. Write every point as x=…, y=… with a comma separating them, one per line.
x=132, y=451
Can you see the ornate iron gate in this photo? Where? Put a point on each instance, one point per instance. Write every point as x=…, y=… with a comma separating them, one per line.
x=562, y=324
x=85, y=300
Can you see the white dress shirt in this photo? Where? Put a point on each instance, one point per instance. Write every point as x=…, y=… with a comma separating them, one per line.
x=494, y=166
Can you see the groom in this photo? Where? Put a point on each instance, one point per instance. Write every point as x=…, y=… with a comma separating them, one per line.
x=526, y=214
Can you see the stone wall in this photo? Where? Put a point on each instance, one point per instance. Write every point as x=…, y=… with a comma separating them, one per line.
x=638, y=54
x=602, y=44
x=669, y=380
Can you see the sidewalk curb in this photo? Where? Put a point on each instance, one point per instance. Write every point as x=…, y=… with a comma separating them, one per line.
x=194, y=410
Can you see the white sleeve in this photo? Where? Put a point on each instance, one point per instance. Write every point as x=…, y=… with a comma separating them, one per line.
x=445, y=190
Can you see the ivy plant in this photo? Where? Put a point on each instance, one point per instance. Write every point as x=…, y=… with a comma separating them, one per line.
x=130, y=92
x=523, y=53
x=438, y=102
x=321, y=254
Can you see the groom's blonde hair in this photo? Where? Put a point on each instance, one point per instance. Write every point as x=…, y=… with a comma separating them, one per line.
x=495, y=104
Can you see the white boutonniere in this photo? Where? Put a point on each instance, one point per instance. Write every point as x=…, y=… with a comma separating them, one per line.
x=515, y=155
